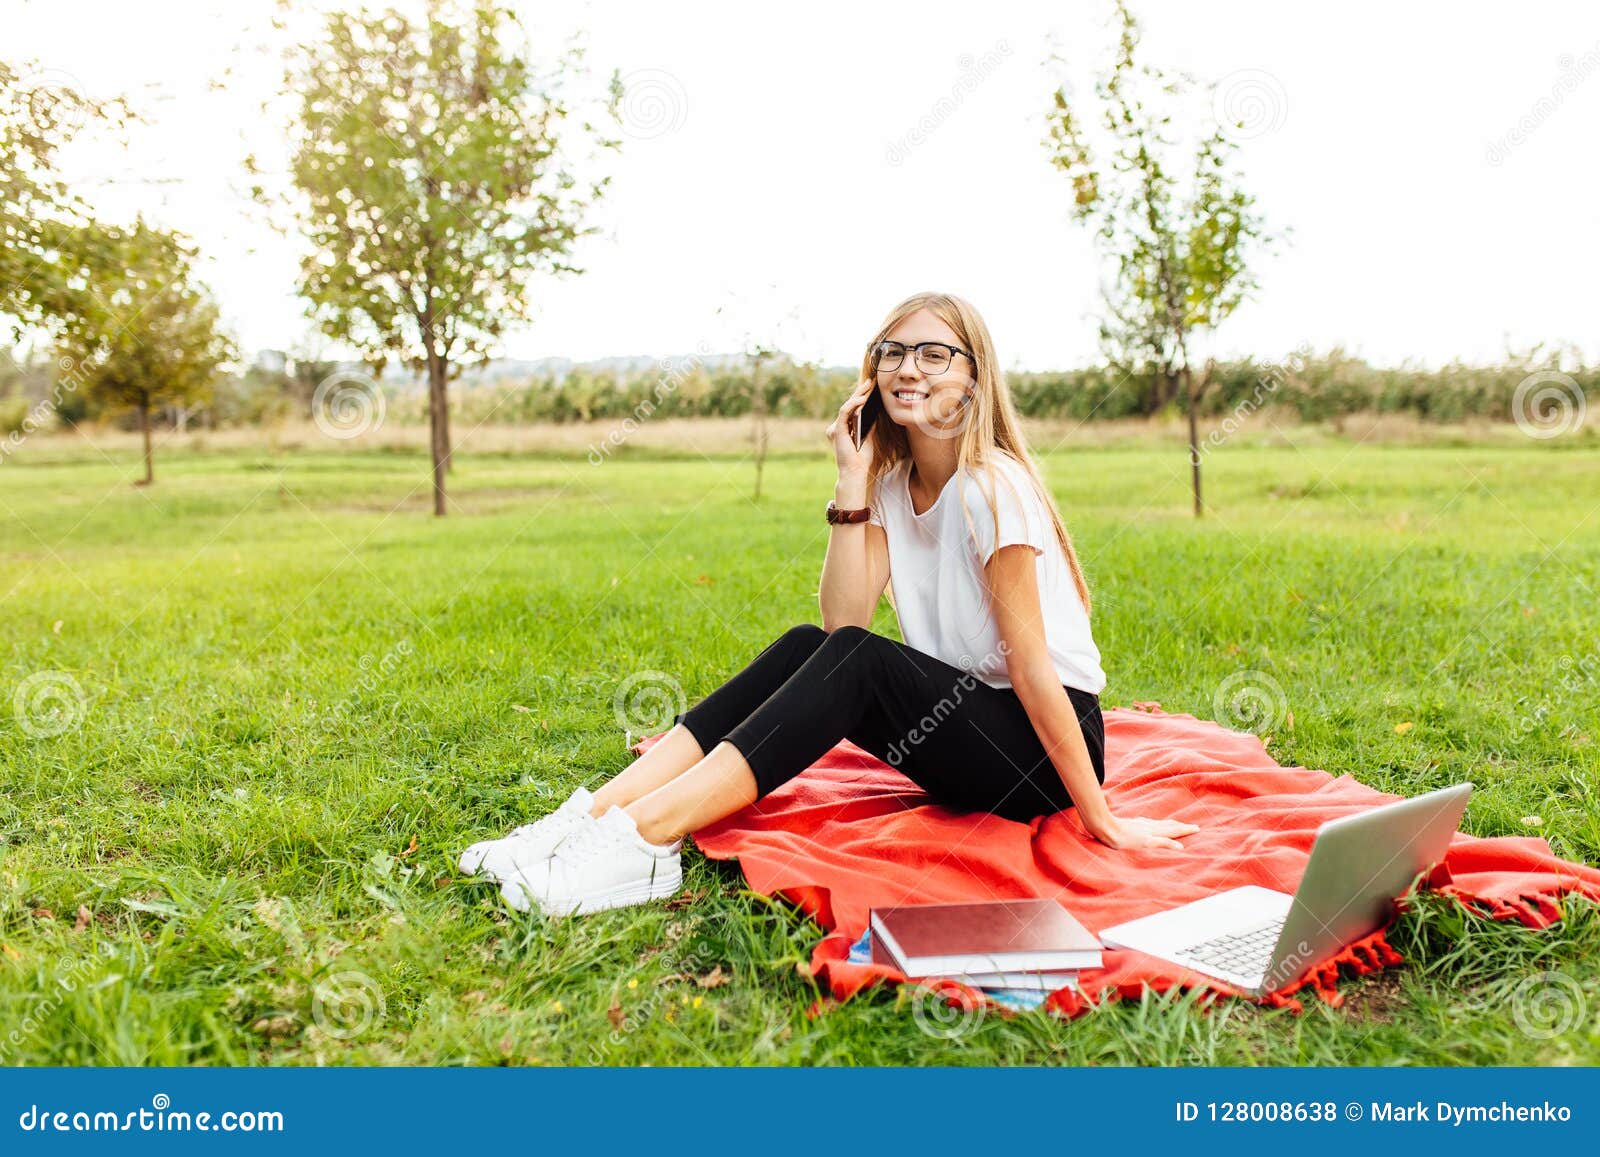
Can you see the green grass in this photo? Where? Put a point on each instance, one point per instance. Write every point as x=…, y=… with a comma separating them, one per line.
x=300, y=703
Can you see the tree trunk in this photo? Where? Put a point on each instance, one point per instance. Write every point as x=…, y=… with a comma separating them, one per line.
x=439, y=426
x=1194, y=438
x=444, y=415
x=759, y=408
x=149, y=455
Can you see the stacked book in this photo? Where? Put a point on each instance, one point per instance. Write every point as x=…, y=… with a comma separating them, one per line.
x=1015, y=950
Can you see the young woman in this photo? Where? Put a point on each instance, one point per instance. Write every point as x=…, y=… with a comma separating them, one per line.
x=991, y=703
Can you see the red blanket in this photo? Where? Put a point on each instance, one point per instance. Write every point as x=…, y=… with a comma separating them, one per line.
x=852, y=834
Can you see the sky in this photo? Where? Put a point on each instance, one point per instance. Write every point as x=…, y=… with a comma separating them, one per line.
x=790, y=172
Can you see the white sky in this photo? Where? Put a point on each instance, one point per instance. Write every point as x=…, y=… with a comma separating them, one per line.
x=773, y=181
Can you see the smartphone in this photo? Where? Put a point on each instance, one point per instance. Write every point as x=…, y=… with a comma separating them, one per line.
x=866, y=415
x=870, y=409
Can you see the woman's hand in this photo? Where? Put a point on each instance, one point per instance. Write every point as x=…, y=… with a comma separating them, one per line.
x=1129, y=833
x=851, y=462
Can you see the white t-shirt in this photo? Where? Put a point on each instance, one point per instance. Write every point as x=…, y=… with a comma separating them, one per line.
x=936, y=562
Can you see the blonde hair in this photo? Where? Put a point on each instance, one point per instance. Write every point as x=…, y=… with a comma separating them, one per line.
x=991, y=421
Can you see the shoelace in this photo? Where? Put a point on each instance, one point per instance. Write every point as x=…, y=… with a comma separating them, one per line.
x=588, y=844
x=566, y=818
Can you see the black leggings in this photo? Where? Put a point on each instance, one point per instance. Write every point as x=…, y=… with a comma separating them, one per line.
x=968, y=744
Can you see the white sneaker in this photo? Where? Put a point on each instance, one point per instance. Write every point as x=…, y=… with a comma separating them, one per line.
x=607, y=864
x=530, y=842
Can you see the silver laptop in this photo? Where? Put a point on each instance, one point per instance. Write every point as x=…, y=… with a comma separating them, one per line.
x=1258, y=940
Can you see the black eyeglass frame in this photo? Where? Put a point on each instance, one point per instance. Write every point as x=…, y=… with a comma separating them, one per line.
x=916, y=353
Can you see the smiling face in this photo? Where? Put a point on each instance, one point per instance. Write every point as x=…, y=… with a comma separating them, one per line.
x=917, y=398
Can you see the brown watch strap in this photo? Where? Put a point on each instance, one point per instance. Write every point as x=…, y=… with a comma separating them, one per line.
x=835, y=515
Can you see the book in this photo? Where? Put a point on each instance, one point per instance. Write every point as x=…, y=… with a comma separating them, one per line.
x=997, y=936
x=1020, y=999
x=1034, y=981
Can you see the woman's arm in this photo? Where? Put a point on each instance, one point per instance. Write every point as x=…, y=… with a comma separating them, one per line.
x=1014, y=591
x=856, y=568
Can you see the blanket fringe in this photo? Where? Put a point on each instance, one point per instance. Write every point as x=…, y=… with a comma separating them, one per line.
x=1371, y=954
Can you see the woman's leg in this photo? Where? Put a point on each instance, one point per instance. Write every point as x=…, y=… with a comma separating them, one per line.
x=890, y=699
x=698, y=730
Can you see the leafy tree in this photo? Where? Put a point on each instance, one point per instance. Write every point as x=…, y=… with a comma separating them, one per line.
x=430, y=158
x=1171, y=211
x=136, y=329
x=39, y=216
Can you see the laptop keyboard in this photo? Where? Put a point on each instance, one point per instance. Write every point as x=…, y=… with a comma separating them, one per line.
x=1241, y=953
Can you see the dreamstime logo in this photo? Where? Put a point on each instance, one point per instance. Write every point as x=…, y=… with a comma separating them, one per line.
x=1578, y=680
x=48, y=704
x=1574, y=71
x=347, y=1004
x=654, y=103
x=1547, y=1004
x=1250, y=701
x=974, y=71
x=70, y=376
x=1548, y=404
x=945, y=412
x=71, y=973
x=674, y=372
x=656, y=1001
x=1249, y=103
x=647, y=701
x=1271, y=379
x=941, y=710
x=945, y=1015
x=55, y=100
x=347, y=405
x=374, y=673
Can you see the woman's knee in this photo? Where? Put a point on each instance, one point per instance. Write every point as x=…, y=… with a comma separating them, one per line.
x=850, y=640
x=807, y=633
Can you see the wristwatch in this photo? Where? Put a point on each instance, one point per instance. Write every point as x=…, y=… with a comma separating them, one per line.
x=835, y=515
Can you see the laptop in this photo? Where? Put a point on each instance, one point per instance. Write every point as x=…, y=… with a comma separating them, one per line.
x=1258, y=939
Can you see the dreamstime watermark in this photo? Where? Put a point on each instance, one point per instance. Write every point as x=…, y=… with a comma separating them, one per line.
x=657, y=1002
x=973, y=72
x=654, y=104
x=1250, y=701
x=347, y=405
x=1548, y=404
x=56, y=100
x=647, y=702
x=48, y=704
x=673, y=373
x=374, y=673
x=945, y=1014
x=1574, y=71
x=68, y=381
x=160, y=1117
x=1270, y=380
x=1578, y=681
x=965, y=683
x=1544, y=1005
x=1547, y=1005
x=1249, y=103
x=70, y=974
x=948, y=407
x=347, y=1004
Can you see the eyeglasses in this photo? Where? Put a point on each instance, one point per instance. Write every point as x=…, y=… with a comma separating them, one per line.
x=932, y=357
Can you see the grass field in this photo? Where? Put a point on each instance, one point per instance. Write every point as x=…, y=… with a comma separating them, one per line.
x=301, y=696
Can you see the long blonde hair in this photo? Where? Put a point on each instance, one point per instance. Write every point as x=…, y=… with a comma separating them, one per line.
x=991, y=421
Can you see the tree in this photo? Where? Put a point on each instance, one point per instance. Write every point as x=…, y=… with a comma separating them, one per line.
x=135, y=328
x=1181, y=248
x=39, y=216
x=433, y=185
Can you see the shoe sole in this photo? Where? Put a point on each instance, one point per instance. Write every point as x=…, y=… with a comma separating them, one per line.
x=624, y=896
